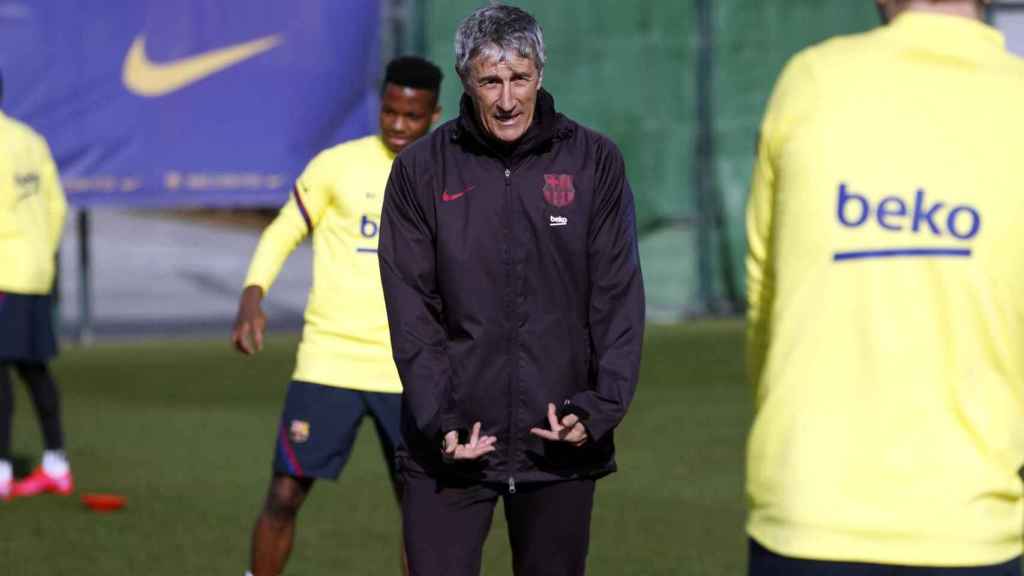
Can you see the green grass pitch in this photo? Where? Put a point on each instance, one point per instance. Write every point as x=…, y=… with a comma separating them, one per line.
x=185, y=430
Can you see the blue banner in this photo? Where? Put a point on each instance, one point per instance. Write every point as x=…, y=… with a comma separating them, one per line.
x=189, y=102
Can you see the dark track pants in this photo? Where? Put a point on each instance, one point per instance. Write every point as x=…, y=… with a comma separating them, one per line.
x=445, y=525
x=764, y=562
x=45, y=398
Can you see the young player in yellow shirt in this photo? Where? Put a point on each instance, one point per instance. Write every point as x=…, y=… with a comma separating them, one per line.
x=885, y=274
x=344, y=369
x=32, y=212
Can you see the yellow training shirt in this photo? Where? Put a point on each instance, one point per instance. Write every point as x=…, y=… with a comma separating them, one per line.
x=32, y=210
x=886, y=292
x=338, y=198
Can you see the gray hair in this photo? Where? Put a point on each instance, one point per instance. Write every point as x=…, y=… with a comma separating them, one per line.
x=496, y=31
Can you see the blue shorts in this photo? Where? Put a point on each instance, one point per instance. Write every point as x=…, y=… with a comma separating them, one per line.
x=319, y=425
x=764, y=562
x=26, y=328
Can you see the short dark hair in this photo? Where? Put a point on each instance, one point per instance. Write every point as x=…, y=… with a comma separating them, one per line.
x=414, y=72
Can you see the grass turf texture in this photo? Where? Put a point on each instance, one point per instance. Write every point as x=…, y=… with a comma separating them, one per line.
x=185, y=431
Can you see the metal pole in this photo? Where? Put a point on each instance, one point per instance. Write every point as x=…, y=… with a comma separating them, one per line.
x=399, y=32
x=419, y=26
x=703, y=170
x=85, y=334
x=398, y=15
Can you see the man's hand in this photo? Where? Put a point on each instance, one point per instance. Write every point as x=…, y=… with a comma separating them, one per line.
x=247, y=335
x=569, y=430
x=473, y=450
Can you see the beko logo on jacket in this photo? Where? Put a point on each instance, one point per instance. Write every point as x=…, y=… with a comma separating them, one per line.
x=27, y=184
x=368, y=228
x=951, y=226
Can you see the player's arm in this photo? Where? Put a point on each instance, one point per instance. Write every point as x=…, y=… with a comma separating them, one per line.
x=250, y=321
x=408, y=275
x=791, y=100
x=617, y=307
x=49, y=181
x=298, y=218
x=758, y=261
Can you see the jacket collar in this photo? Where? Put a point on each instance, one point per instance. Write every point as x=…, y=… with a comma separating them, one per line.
x=946, y=34
x=548, y=125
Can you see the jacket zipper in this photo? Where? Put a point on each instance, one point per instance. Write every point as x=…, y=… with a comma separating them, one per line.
x=513, y=352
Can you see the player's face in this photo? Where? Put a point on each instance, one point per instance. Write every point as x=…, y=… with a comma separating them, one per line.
x=504, y=93
x=405, y=115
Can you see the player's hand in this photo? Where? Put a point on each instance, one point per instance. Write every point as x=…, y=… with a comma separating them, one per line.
x=476, y=448
x=570, y=429
x=247, y=335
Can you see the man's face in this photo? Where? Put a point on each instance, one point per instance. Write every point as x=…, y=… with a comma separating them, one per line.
x=504, y=93
x=405, y=115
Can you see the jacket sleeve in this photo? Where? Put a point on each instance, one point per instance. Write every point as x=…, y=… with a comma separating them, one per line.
x=56, y=202
x=298, y=217
x=409, y=277
x=616, y=298
x=758, y=261
x=791, y=99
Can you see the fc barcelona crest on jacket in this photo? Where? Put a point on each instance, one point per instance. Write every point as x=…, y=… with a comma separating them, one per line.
x=558, y=190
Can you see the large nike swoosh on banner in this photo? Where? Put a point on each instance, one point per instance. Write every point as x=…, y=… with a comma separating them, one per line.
x=147, y=78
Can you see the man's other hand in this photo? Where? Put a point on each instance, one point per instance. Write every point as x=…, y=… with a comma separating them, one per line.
x=570, y=429
x=477, y=446
x=247, y=335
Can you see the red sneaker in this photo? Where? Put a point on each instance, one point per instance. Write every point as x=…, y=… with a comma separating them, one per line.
x=39, y=481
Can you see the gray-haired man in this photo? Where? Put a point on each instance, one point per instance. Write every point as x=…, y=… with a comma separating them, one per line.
x=512, y=281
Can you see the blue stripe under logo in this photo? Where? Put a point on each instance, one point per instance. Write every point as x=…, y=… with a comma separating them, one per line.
x=902, y=253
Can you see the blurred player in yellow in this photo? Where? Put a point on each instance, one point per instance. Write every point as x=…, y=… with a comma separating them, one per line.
x=32, y=212
x=886, y=291
x=344, y=369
